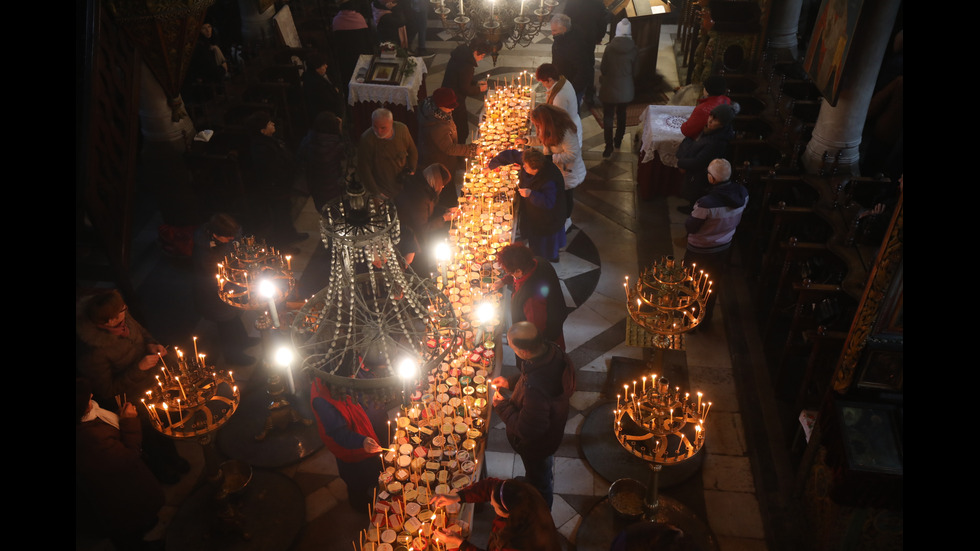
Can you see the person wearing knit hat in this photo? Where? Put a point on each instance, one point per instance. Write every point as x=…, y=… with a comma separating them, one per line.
x=715, y=89
x=616, y=88
x=438, y=139
x=694, y=155
x=445, y=98
x=724, y=114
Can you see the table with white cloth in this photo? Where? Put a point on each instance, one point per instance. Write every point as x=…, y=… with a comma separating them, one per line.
x=657, y=173
x=401, y=99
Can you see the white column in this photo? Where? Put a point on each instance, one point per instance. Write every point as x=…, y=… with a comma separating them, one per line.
x=839, y=128
x=155, y=112
x=256, y=26
x=784, y=22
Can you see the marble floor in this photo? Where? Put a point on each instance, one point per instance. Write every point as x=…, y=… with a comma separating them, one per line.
x=612, y=236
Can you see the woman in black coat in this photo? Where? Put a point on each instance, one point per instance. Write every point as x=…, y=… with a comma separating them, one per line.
x=693, y=156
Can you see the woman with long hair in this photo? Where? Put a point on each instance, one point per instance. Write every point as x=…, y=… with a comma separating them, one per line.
x=523, y=521
x=557, y=133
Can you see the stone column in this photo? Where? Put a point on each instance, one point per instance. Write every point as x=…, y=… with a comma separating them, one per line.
x=256, y=25
x=784, y=21
x=162, y=155
x=839, y=127
x=155, y=113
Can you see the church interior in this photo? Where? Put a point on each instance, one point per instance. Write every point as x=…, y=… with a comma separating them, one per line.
x=803, y=359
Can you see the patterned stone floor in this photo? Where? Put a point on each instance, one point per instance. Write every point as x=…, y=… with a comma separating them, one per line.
x=611, y=237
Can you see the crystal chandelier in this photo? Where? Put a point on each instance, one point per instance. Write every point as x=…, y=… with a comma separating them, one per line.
x=499, y=22
x=372, y=316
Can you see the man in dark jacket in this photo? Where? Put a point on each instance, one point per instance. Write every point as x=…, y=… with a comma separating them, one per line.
x=573, y=54
x=711, y=226
x=693, y=156
x=459, y=77
x=536, y=412
x=591, y=19
x=537, y=295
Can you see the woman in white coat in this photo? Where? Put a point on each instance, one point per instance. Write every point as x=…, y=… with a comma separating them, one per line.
x=557, y=134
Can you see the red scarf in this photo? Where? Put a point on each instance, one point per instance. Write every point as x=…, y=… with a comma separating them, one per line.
x=357, y=421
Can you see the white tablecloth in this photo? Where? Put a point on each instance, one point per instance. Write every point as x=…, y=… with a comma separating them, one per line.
x=662, y=131
x=405, y=94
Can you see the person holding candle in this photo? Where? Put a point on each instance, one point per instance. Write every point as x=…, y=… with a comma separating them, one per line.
x=116, y=494
x=119, y=357
x=438, y=140
x=536, y=412
x=422, y=219
x=539, y=202
x=537, y=295
x=711, y=226
x=113, y=351
x=459, y=77
x=557, y=133
x=523, y=520
x=349, y=427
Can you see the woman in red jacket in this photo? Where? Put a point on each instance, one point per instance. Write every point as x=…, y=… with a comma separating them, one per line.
x=523, y=519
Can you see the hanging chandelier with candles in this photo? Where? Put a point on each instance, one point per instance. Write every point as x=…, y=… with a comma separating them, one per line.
x=191, y=398
x=253, y=271
x=499, y=22
x=668, y=299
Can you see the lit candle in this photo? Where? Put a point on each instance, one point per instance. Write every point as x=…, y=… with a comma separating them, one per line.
x=195, y=347
x=644, y=384
x=182, y=393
